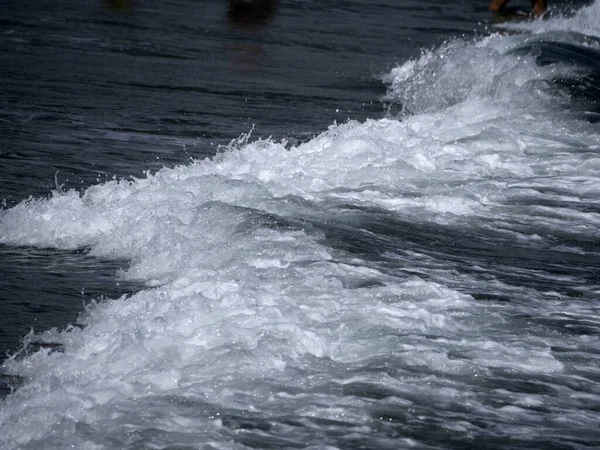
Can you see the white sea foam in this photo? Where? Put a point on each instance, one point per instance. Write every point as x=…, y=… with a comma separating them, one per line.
x=585, y=21
x=250, y=312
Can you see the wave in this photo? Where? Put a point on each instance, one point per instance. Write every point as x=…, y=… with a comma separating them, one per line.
x=584, y=21
x=294, y=288
x=515, y=72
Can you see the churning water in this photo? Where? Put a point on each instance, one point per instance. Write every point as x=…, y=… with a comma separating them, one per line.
x=425, y=278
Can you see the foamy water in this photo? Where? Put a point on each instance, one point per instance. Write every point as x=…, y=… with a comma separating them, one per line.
x=422, y=280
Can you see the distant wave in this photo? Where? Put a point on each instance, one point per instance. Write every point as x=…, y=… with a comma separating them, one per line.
x=516, y=70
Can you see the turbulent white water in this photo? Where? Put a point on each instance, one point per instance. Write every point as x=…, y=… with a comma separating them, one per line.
x=420, y=280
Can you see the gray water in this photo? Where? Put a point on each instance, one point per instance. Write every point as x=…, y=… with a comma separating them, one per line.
x=393, y=242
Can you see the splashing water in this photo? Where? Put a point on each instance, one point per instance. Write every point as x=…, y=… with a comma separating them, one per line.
x=425, y=280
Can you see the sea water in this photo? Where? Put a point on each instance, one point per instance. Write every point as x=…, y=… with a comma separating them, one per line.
x=423, y=279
